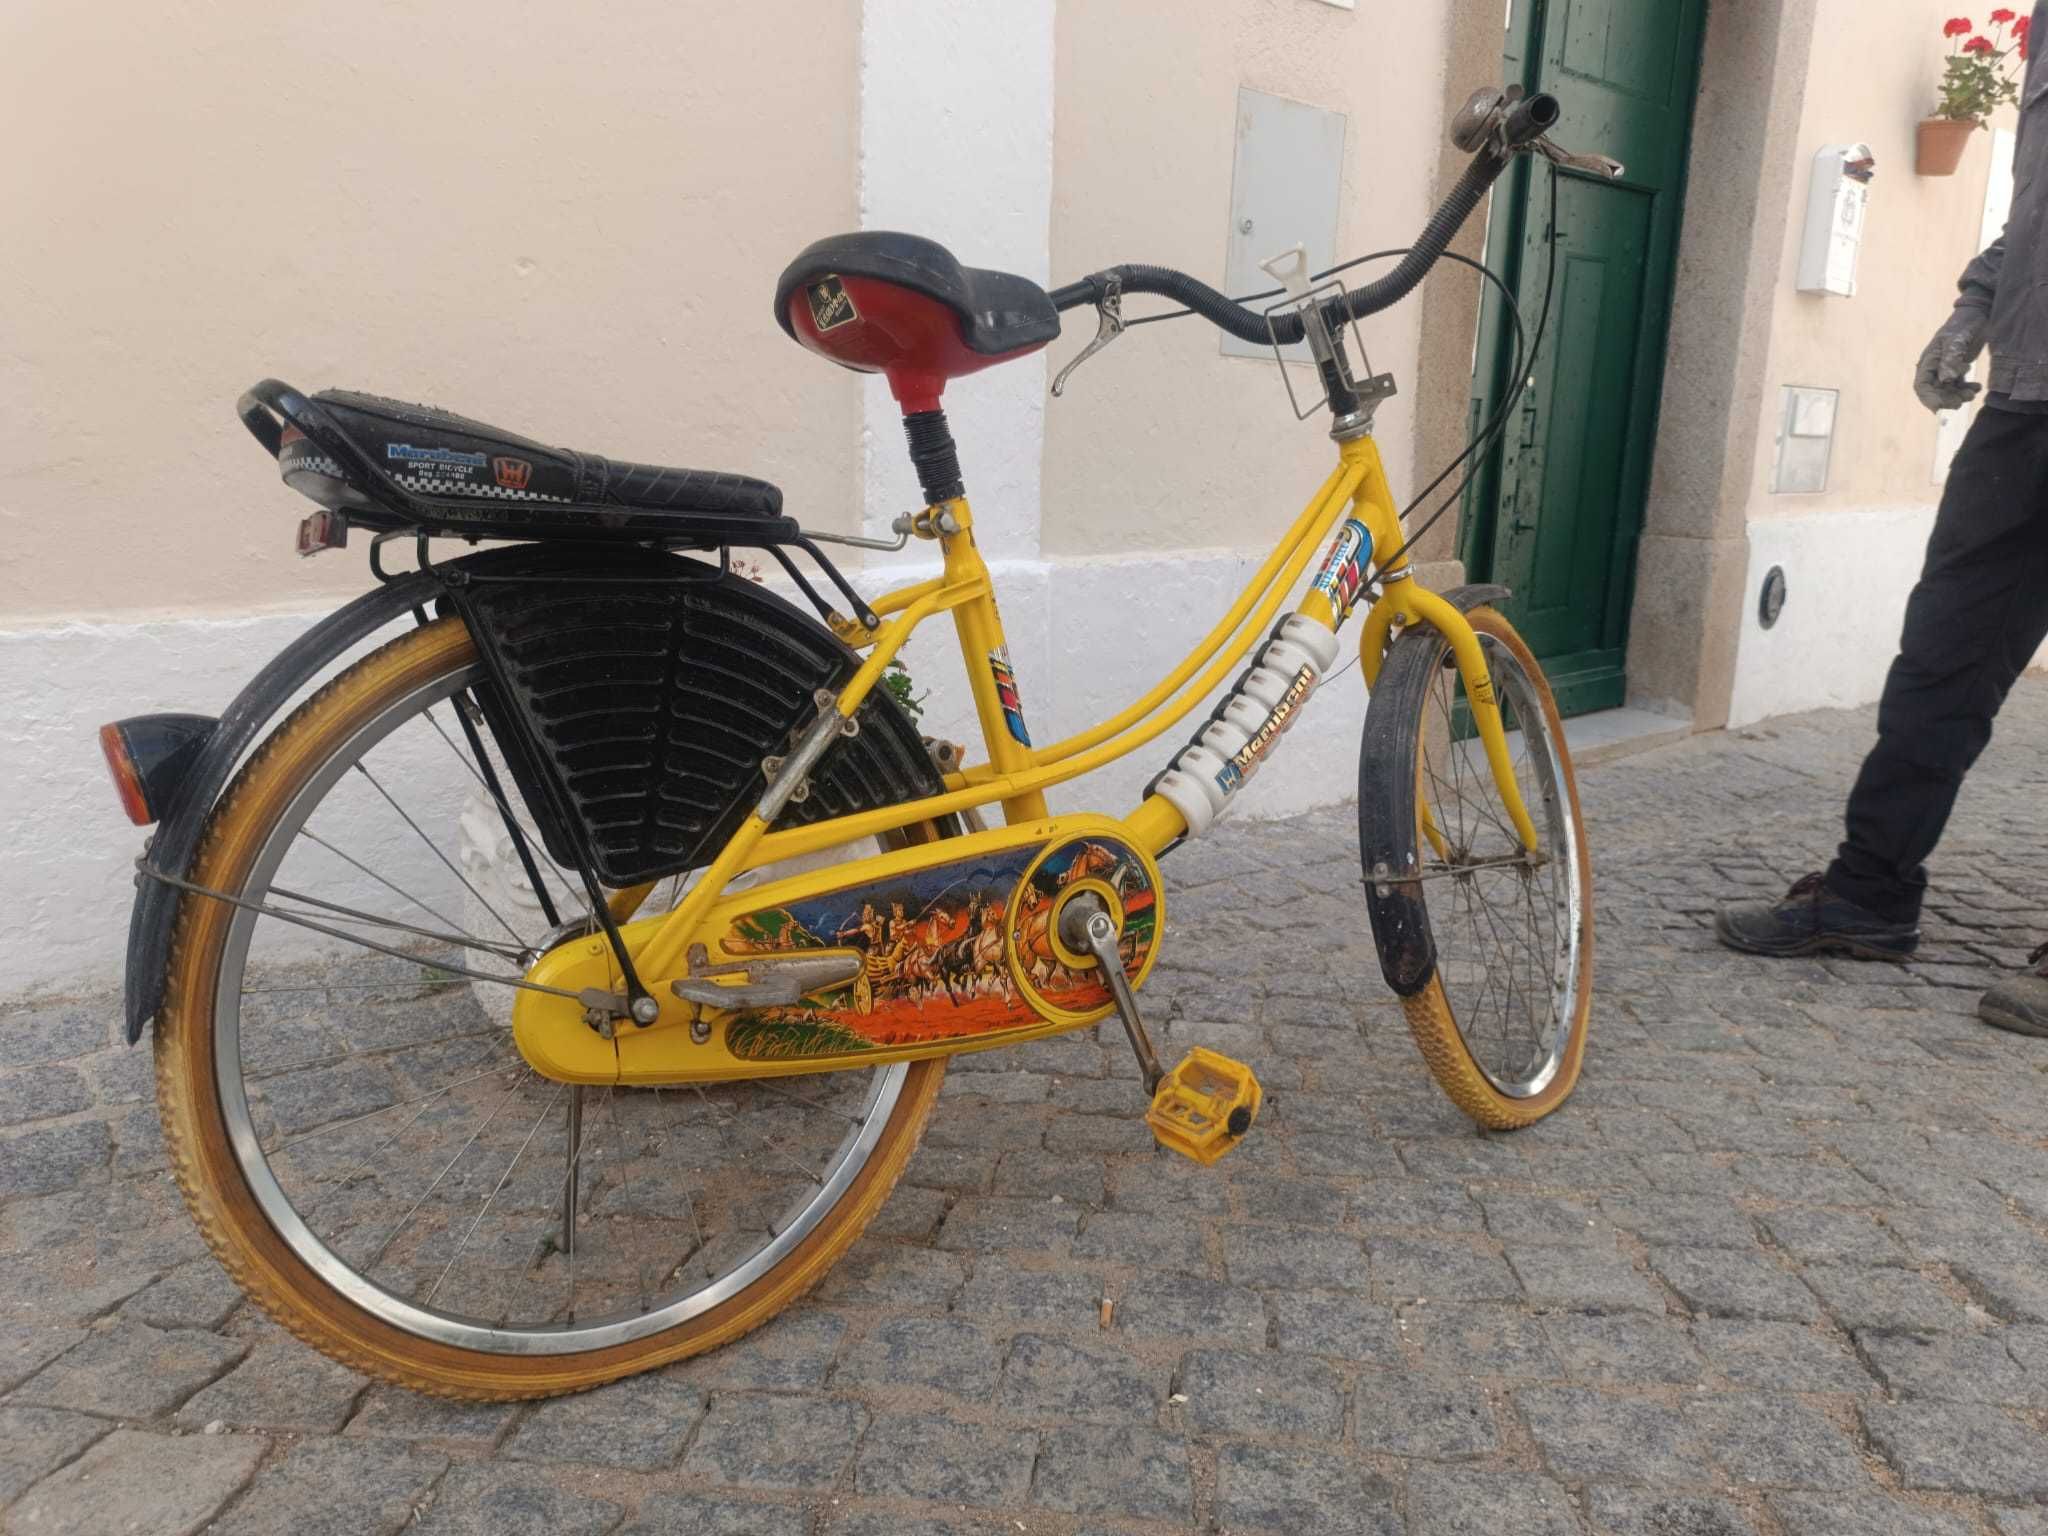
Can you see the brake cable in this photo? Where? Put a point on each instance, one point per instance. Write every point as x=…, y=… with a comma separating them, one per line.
x=1484, y=438
x=1526, y=352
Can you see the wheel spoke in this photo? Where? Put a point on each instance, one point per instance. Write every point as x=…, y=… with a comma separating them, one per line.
x=413, y=1210
x=1502, y=950
x=315, y=838
x=427, y=1102
x=418, y=1197
x=761, y=1141
x=336, y=912
x=496, y=1190
x=572, y=887
x=298, y=921
x=425, y=1098
x=435, y=849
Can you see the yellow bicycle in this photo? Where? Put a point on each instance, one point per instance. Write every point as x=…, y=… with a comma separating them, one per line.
x=723, y=882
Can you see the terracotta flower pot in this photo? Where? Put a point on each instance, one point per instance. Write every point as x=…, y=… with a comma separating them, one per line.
x=1940, y=145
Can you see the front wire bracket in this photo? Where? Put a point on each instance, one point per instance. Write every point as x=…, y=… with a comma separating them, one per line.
x=1314, y=304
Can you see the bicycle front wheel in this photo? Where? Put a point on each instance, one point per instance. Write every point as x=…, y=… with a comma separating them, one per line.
x=1490, y=946
x=362, y=1144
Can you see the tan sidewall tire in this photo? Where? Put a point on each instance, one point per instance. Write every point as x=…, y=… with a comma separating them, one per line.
x=211, y=1178
x=1430, y=1017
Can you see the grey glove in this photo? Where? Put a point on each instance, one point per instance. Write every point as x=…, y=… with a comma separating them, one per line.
x=1941, y=380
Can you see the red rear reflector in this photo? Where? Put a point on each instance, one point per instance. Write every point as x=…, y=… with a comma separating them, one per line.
x=325, y=529
x=127, y=780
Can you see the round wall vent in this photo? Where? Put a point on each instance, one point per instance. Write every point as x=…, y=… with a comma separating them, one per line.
x=1771, y=602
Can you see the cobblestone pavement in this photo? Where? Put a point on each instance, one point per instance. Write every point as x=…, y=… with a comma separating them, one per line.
x=1777, y=1268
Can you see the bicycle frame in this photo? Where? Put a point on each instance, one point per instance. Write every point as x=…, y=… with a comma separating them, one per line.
x=1017, y=774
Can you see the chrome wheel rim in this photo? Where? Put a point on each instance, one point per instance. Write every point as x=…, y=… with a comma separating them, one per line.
x=1508, y=929
x=493, y=1112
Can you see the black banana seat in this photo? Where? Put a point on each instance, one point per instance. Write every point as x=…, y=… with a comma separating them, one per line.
x=391, y=465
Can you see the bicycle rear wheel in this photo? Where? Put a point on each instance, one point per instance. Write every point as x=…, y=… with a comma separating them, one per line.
x=1489, y=947
x=364, y=1148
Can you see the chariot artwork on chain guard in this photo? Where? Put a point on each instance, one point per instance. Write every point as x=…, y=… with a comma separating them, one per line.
x=959, y=949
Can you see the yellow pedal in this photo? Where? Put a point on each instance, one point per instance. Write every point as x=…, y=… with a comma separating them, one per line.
x=1204, y=1106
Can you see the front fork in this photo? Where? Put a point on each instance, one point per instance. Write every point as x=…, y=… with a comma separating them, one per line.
x=1405, y=601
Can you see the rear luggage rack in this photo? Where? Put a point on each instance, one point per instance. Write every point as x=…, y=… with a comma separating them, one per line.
x=523, y=490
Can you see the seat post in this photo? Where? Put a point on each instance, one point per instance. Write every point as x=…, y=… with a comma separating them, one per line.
x=934, y=455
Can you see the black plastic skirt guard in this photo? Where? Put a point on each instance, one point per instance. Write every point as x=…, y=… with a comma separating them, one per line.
x=632, y=694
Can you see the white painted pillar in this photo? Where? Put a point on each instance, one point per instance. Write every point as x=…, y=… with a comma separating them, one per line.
x=956, y=145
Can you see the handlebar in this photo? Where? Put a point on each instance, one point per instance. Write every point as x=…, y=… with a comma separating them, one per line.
x=1507, y=127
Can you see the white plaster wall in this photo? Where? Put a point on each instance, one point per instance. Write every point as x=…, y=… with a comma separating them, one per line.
x=1848, y=574
x=67, y=852
x=1919, y=234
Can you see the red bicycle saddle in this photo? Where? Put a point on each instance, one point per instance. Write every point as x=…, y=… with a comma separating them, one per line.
x=902, y=306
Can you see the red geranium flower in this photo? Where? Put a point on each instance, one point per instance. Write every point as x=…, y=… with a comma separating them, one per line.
x=1958, y=26
x=2021, y=27
x=1980, y=45
x=2001, y=16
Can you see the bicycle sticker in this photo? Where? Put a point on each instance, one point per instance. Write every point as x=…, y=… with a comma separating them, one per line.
x=955, y=949
x=1006, y=693
x=435, y=471
x=831, y=304
x=1343, y=574
x=1241, y=762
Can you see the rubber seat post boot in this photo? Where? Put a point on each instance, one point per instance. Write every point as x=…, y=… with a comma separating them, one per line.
x=1809, y=919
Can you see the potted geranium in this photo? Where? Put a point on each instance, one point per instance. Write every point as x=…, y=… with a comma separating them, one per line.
x=1977, y=81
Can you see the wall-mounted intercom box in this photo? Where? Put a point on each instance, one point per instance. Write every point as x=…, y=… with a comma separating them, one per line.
x=1835, y=207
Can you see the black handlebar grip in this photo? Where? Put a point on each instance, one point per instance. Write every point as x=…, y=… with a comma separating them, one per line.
x=1531, y=118
x=1074, y=294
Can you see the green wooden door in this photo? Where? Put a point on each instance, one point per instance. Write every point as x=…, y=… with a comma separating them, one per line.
x=1555, y=512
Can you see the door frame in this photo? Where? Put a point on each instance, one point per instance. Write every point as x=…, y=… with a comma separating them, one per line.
x=1595, y=679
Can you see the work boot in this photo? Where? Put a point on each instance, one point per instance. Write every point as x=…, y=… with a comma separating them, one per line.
x=2020, y=1005
x=1812, y=920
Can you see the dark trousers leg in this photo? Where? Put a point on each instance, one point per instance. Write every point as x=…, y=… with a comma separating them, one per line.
x=1972, y=624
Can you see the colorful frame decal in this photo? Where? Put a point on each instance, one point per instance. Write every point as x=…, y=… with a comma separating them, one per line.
x=948, y=951
x=1342, y=576
x=1006, y=693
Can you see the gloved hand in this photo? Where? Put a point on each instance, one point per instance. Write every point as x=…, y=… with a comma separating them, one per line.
x=1941, y=380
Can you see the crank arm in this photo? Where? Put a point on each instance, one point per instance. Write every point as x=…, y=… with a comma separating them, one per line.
x=1087, y=926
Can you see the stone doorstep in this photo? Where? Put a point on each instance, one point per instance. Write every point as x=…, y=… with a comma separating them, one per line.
x=1607, y=735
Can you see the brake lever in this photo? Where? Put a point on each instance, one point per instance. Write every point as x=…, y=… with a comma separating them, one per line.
x=1597, y=165
x=1109, y=310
